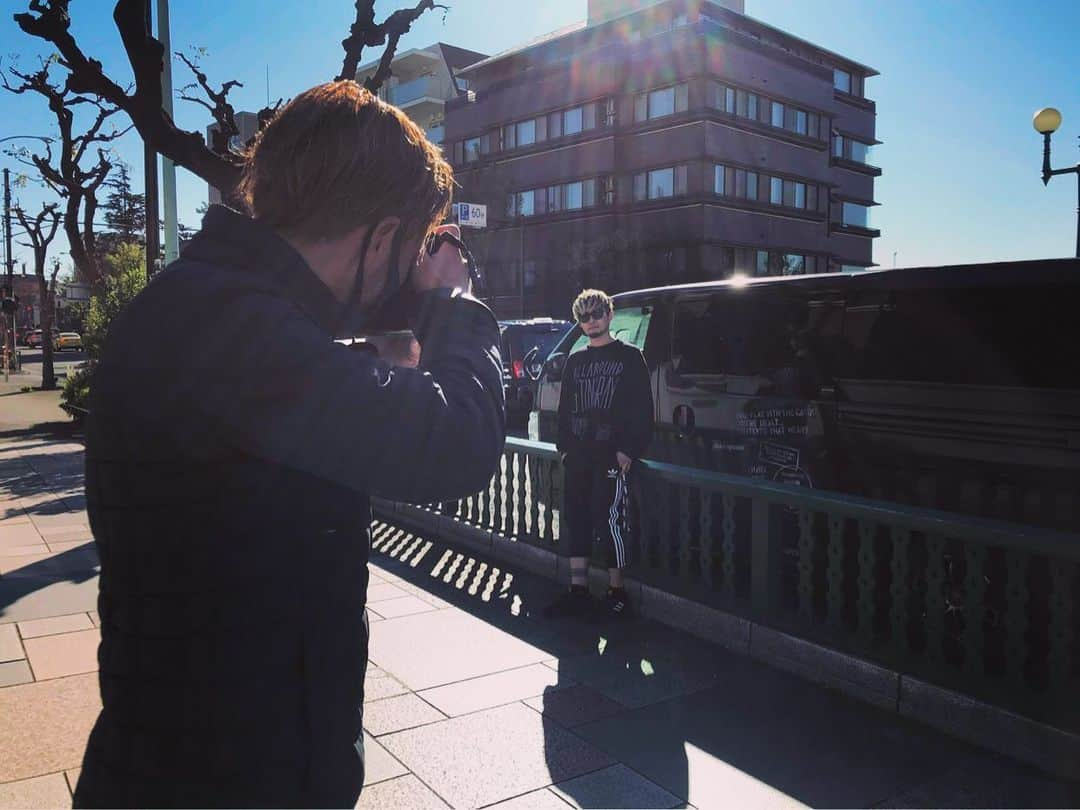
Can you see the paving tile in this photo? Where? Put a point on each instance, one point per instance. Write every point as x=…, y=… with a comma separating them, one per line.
x=405, y=606
x=67, y=654
x=22, y=551
x=615, y=786
x=510, y=751
x=44, y=726
x=379, y=764
x=19, y=535
x=13, y=673
x=405, y=792
x=12, y=516
x=399, y=713
x=38, y=597
x=384, y=591
x=46, y=792
x=94, y=618
x=55, y=625
x=23, y=564
x=382, y=688
x=575, y=705
x=86, y=542
x=60, y=520
x=10, y=647
x=492, y=690
x=542, y=799
x=446, y=646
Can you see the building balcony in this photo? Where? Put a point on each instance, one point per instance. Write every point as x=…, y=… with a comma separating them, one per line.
x=410, y=93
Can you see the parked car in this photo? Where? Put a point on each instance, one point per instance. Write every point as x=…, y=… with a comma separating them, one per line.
x=34, y=338
x=69, y=340
x=522, y=342
x=954, y=388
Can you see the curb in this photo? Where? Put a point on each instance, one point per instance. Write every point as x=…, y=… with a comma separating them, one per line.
x=1045, y=747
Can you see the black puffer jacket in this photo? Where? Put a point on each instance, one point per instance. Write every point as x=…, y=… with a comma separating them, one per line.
x=231, y=449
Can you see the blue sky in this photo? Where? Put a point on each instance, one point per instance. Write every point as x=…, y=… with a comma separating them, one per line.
x=960, y=81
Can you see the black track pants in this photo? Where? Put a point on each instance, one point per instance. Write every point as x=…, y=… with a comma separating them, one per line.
x=596, y=507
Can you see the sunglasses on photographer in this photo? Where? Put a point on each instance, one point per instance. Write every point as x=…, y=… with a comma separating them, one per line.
x=595, y=315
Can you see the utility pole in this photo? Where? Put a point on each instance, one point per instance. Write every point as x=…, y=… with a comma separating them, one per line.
x=9, y=342
x=168, y=168
x=153, y=244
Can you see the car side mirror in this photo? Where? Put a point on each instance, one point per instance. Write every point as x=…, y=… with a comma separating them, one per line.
x=555, y=366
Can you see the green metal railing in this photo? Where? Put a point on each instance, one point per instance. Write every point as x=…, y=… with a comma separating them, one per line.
x=984, y=607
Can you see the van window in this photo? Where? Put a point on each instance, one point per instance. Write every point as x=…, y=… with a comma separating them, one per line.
x=783, y=341
x=630, y=325
x=1020, y=337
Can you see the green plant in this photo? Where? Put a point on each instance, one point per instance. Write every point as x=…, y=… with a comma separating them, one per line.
x=125, y=279
x=76, y=391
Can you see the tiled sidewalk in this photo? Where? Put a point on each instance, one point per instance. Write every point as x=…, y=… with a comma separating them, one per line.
x=473, y=702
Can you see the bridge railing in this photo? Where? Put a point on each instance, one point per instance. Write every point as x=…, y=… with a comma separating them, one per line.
x=987, y=608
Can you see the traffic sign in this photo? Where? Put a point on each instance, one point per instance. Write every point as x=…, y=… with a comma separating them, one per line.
x=471, y=215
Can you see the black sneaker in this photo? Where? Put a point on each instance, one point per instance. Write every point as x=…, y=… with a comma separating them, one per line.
x=573, y=602
x=615, y=603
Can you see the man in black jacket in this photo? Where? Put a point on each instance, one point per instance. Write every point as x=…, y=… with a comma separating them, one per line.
x=231, y=449
x=605, y=424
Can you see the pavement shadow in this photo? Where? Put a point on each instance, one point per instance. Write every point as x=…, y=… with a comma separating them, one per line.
x=668, y=706
x=77, y=565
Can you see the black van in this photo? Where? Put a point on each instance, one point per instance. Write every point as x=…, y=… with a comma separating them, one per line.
x=956, y=387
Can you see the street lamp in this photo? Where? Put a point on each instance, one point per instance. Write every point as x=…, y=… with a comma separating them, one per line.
x=1046, y=122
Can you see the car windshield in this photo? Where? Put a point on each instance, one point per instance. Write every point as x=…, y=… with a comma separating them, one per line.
x=543, y=338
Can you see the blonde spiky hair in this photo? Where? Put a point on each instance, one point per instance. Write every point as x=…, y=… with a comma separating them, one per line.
x=589, y=300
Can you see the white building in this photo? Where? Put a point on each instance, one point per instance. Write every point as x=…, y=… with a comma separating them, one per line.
x=422, y=81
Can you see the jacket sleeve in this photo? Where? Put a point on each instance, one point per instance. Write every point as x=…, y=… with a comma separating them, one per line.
x=564, y=437
x=426, y=434
x=635, y=403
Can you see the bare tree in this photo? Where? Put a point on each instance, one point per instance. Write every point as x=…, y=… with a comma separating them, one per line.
x=41, y=229
x=64, y=173
x=50, y=20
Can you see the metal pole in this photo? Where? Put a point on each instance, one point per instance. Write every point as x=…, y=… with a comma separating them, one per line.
x=521, y=268
x=9, y=340
x=153, y=242
x=168, y=168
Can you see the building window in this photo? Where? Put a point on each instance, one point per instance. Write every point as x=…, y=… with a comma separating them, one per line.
x=794, y=264
x=800, y=195
x=554, y=199
x=842, y=80
x=751, y=186
x=571, y=120
x=663, y=102
x=852, y=268
x=526, y=133
x=855, y=216
x=509, y=137
x=776, y=191
x=660, y=183
x=761, y=267
x=525, y=202
x=838, y=146
x=800, y=122
x=719, y=185
x=472, y=150
x=573, y=196
x=851, y=149
x=778, y=114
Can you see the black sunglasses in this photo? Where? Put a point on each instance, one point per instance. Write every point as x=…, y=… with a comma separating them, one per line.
x=595, y=315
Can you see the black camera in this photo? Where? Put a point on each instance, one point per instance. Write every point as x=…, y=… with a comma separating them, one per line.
x=397, y=313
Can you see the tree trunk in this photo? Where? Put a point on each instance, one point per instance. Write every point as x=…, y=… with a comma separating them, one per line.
x=48, y=373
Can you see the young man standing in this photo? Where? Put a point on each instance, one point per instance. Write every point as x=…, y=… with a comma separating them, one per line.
x=605, y=425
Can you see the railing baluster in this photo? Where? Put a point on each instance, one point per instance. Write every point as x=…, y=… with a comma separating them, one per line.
x=867, y=557
x=974, y=607
x=533, y=490
x=706, y=539
x=1016, y=599
x=516, y=499
x=496, y=491
x=684, y=533
x=491, y=514
x=544, y=486
x=898, y=613
x=806, y=564
x=1062, y=574
x=522, y=488
x=728, y=546
x=935, y=599
x=835, y=572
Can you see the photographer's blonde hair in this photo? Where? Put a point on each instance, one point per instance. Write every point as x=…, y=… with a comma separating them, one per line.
x=589, y=300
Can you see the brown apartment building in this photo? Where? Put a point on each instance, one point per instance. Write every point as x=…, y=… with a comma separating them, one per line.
x=663, y=142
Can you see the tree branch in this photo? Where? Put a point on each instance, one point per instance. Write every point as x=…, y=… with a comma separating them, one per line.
x=223, y=112
x=365, y=32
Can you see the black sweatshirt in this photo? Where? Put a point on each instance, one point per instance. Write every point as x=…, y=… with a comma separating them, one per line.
x=606, y=403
